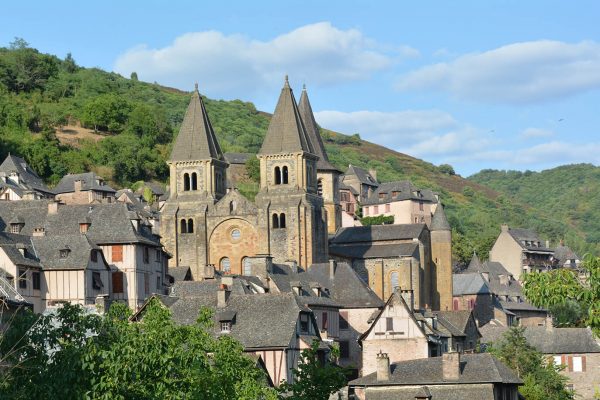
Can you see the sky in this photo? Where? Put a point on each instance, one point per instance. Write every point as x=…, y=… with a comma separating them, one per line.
x=475, y=84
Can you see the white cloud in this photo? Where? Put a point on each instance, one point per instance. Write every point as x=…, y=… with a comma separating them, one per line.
x=236, y=65
x=517, y=73
x=530, y=133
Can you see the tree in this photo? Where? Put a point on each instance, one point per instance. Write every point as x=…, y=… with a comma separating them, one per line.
x=253, y=168
x=107, y=112
x=541, y=377
x=315, y=379
x=563, y=285
x=446, y=169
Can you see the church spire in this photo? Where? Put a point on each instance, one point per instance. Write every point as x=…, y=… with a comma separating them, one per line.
x=312, y=130
x=439, y=222
x=286, y=133
x=196, y=139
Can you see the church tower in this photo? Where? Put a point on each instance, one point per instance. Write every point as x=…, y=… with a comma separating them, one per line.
x=327, y=174
x=292, y=219
x=197, y=180
x=441, y=256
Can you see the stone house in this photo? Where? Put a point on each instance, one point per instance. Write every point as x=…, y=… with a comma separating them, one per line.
x=402, y=200
x=564, y=257
x=575, y=349
x=521, y=250
x=362, y=181
x=451, y=376
x=19, y=182
x=86, y=188
x=462, y=326
x=349, y=204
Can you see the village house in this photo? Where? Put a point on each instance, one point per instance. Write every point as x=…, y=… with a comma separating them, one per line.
x=19, y=182
x=86, y=188
x=575, y=349
x=564, y=257
x=361, y=181
x=451, y=376
x=520, y=251
x=349, y=204
x=403, y=201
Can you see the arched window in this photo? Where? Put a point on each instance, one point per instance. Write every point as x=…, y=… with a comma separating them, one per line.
x=275, y=221
x=394, y=279
x=183, y=226
x=282, y=220
x=247, y=266
x=277, y=176
x=232, y=206
x=284, y=173
x=225, y=265
x=320, y=187
x=455, y=305
x=190, y=226
x=194, y=181
x=186, y=182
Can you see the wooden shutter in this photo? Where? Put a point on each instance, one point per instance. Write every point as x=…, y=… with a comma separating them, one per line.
x=582, y=363
x=117, y=252
x=570, y=363
x=324, y=320
x=117, y=280
x=389, y=324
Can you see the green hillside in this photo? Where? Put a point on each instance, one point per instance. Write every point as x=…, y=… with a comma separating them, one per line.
x=570, y=193
x=63, y=118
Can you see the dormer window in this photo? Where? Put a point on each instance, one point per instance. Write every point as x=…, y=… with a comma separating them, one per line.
x=15, y=228
x=225, y=326
x=64, y=253
x=304, y=323
x=382, y=195
x=395, y=193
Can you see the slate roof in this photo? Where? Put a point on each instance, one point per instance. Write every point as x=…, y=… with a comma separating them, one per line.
x=196, y=139
x=521, y=235
x=89, y=182
x=180, y=274
x=343, y=186
x=312, y=130
x=28, y=178
x=237, y=158
x=375, y=251
x=494, y=270
x=549, y=340
x=48, y=249
x=362, y=175
x=564, y=253
x=520, y=306
x=439, y=222
x=406, y=191
x=445, y=392
x=455, y=321
x=285, y=280
x=286, y=132
x=475, y=368
x=469, y=283
x=11, y=244
x=374, y=233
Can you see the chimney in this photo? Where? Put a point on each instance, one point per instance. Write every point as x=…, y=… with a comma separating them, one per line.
x=332, y=267
x=504, y=228
x=547, y=244
x=53, y=207
x=383, y=367
x=451, y=366
x=222, y=296
x=77, y=185
x=373, y=173
x=548, y=323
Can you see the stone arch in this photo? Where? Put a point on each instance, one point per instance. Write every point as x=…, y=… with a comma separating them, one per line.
x=236, y=246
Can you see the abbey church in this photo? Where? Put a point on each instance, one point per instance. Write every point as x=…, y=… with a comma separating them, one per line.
x=296, y=218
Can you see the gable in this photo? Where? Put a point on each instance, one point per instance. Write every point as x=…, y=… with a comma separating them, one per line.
x=397, y=316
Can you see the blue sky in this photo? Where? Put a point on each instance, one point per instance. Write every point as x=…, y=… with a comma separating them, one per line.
x=494, y=84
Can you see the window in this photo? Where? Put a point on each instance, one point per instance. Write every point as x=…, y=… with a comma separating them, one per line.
x=320, y=187
x=471, y=304
x=304, y=323
x=277, y=176
x=394, y=281
x=557, y=361
x=389, y=324
x=15, y=228
x=94, y=255
x=146, y=257
x=232, y=206
x=455, y=305
x=275, y=221
x=158, y=286
x=420, y=206
x=324, y=324
x=395, y=193
x=284, y=175
x=282, y=220
x=247, y=266
x=382, y=195
x=190, y=226
x=344, y=349
x=226, y=326
x=236, y=234
x=345, y=196
x=194, y=181
x=225, y=265
x=96, y=281
x=117, y=281
x=183, y=226
x=64, y=253
x=344, y=320
x=36, y=280
x=186, y=182
x=578, y=364
x=158, y=255
x=22, y=278
x=117, y=252
x=387, y=208
x=366, y=210
x=375, y=209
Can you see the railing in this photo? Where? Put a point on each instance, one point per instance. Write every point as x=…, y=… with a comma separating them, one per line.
x=9, y=291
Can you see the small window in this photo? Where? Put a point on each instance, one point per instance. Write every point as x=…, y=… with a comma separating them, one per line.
x=325, y=321
x=455, y=305
x=94, y=255
x=247, y=266
x=277, y=174
x=194, y=181
x=190, y=226
x=22, y=279
x=236, y=234
x=344, y=320
x=158, y=255
x=389, y=324
x=344, y=349
x=471, y=304
x=275, y=223
x=382, y=195
x=375, y=210
x=158, y=285
x=366, y=210
x=304, y=323
x=395, y=193
x=64, y=253
x=282, y=220
x=387, y=208
x=284, y=175
x=225, y=265
x=183, y=226
x=421, y=206
x=146, y=255
x=394, y=281
x=320, y=187
x=36, y=280
x=578, y=364
x=117, y=282
x=225, y=326
x=117, y=252
x=186, y=182
x=96, y=281
x=232, y=206
x=15, y=228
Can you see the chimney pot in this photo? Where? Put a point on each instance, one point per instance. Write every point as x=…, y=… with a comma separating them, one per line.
x=383, y=367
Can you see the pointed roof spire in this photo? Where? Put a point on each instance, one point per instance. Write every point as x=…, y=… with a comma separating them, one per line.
x=475, y=264
x=312, y=130
x=196, y=139
x=439, y=222
x=286, y=133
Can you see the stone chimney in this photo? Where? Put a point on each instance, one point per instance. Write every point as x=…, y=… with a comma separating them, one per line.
x=383, y=367
x=504, y=228
x=222, y=296
x=451, y=366
x=53, y=207
x=373, y=173
x=77, y=185
x=332, y=268
x=37, y=232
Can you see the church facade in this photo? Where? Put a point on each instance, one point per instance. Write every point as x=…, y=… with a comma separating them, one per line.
x=205, y=224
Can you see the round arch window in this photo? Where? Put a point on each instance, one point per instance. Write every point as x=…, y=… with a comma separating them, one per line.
x=225, y=264
x=236, y=234
x=247, y=266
